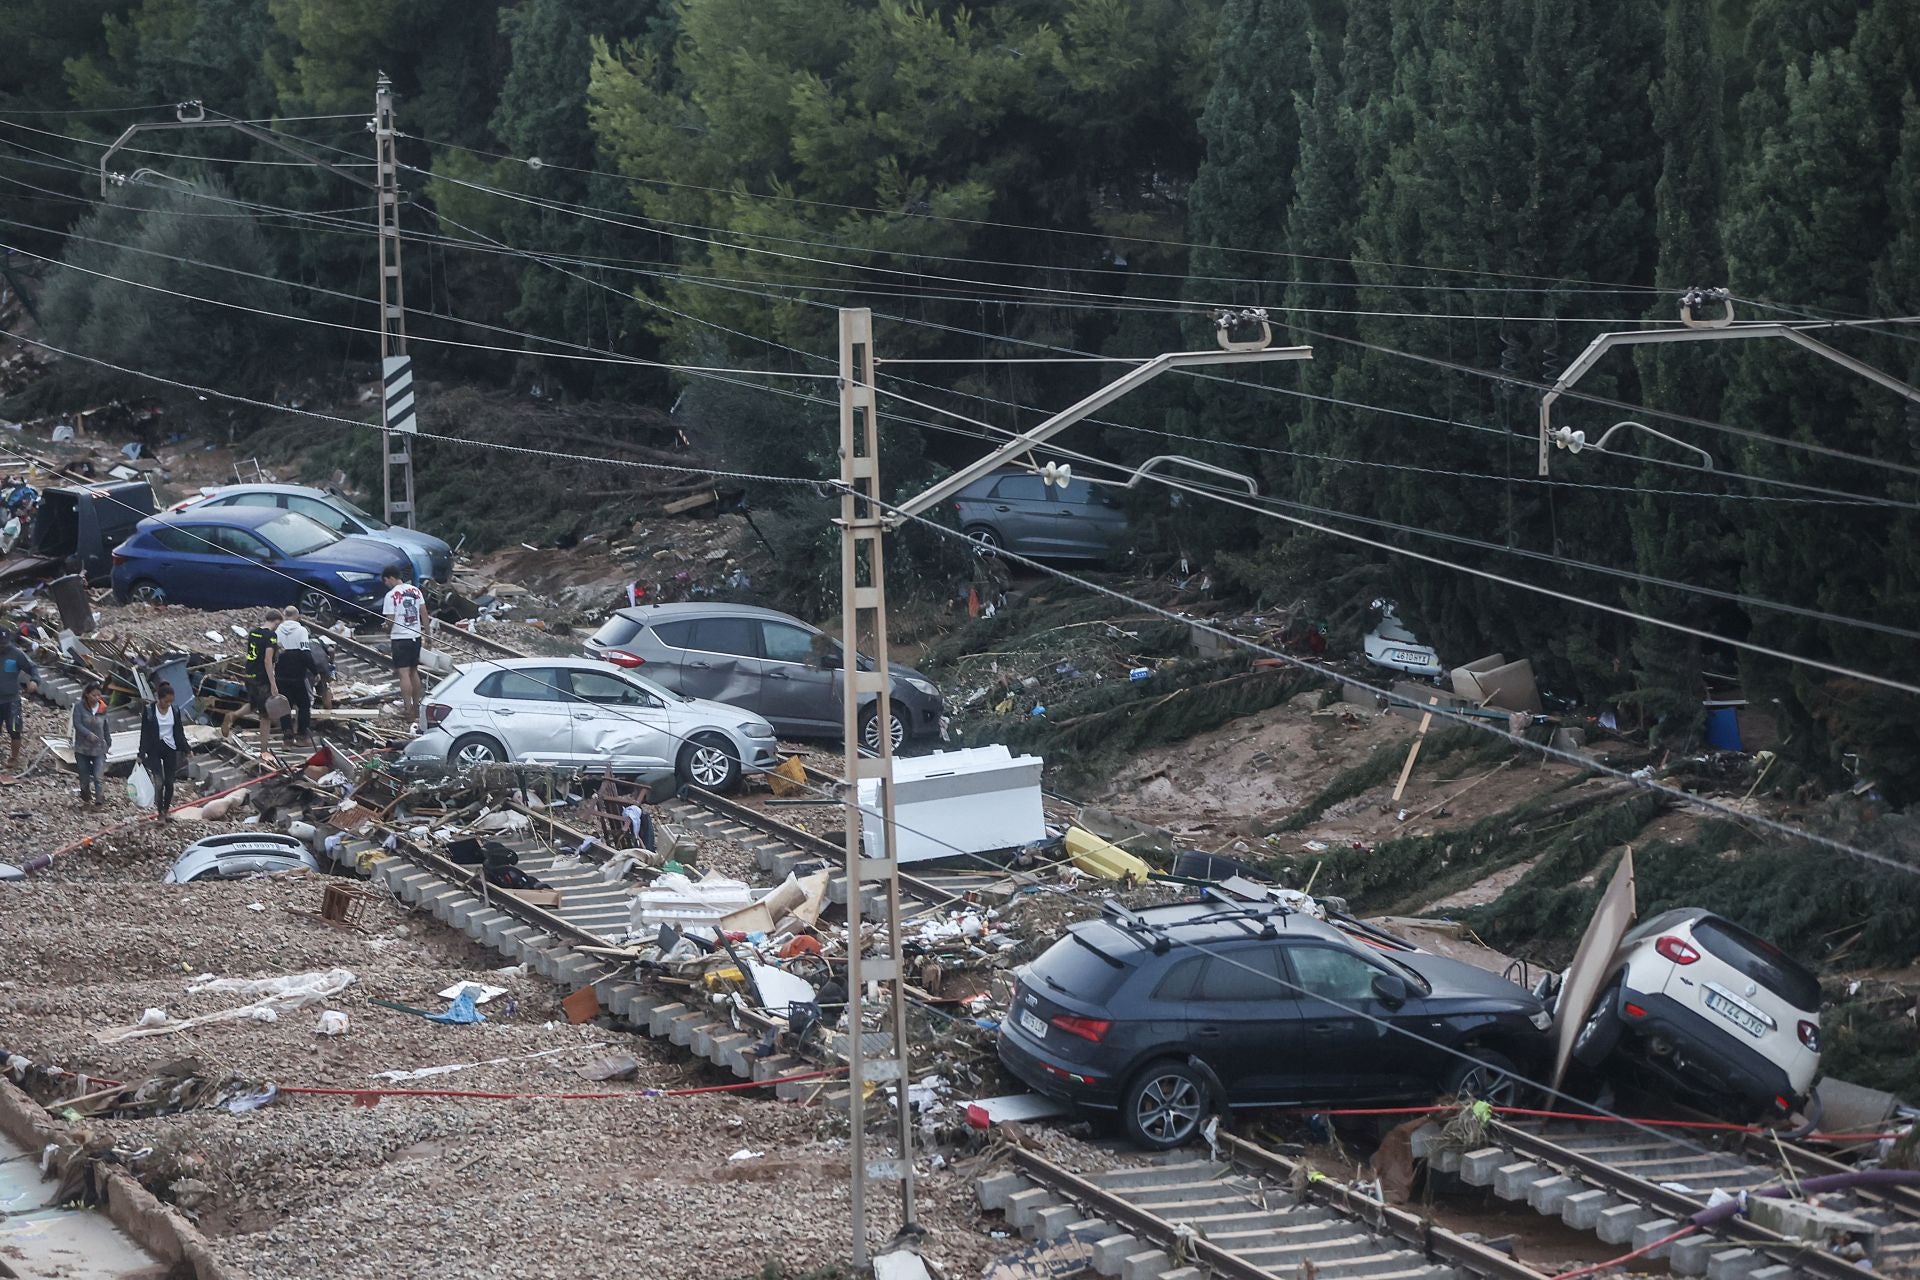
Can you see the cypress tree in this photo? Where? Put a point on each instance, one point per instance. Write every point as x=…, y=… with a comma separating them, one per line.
x=1241, y=198
x=1681, y=538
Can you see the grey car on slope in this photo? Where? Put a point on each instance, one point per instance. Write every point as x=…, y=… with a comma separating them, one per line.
x=767, y=662
x=1017, y=511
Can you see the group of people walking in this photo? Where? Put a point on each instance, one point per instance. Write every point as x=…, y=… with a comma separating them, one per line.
x=287, y=668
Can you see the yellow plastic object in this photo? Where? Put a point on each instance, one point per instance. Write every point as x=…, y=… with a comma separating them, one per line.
x=719, y=979
x=790, y=777
x=1097, y=857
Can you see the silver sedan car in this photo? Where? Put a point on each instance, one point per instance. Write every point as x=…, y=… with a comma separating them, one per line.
x=590, y=714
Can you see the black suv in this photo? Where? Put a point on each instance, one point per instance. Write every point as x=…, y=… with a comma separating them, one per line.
x=1173, y=1012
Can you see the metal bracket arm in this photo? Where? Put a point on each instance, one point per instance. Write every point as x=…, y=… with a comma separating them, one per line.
x=1641, y=337
x=258, y=135
x=1129, y=381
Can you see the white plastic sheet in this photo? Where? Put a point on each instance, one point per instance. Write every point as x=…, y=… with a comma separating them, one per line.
x=271, y=998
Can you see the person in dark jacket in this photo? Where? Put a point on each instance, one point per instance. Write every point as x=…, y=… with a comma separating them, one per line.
x=92, y=739
x=163, y=743
x=13, y=665
x=262, y=652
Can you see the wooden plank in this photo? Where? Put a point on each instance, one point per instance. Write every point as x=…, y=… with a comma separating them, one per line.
x=1413, y=752
x=679, y=505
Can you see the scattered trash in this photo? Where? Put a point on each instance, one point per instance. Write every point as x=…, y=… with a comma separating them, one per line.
x=480, y=991
x=332, y=1023
x=272, y=997
x=746, y=1153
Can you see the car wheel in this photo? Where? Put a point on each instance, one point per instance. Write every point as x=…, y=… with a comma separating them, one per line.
x=870, y=727
x=318, y=605
x=475, y=749
x=1492, y=1077
x=146, y=592
x=1601, y=1031
x=1165, y=1106
x=708, y=762
x=985, y=541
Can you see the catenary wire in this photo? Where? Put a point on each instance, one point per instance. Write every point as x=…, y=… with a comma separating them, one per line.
x=335, y=324
x=552, y=261
x=1230, y=497
x=1203, y=376
x=1558, y=286
x=1288, y=659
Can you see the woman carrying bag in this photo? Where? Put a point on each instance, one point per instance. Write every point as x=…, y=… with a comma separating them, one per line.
x=163, y=744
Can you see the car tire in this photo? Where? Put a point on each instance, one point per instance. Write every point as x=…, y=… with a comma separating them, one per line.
x=147, y=591
x=709, y=762
x=318, y=605
x=470, y=751
x=1492, y=1077
x=870, y=727
x=1165, y=1106
x=985, y=541
x=1600, y=1032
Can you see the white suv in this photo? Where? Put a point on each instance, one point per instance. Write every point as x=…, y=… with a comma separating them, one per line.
x=591, y=715
x=1724, y=1016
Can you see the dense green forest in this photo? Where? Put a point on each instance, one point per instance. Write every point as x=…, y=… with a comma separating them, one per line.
x=1448, y=199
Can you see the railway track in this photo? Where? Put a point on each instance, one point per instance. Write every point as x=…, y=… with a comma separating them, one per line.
x=1245, y=1213
x=1632, y=1189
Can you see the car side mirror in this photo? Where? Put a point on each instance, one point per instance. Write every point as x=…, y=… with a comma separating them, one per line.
x=1390, y=989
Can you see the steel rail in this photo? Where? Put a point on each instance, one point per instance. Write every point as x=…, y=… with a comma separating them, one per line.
x=1677, y=1204
x=1422, y=1234
x=1141, y=1222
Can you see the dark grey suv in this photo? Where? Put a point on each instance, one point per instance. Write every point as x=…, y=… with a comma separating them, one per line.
x=1168, y=1014
x=1019, y=511
x=765, y=661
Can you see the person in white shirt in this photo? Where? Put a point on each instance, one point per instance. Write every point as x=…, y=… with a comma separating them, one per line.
x=406, y=610
x=163, y=744
x=291, y=669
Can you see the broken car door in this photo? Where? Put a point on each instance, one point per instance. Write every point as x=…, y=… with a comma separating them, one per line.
x=722, y=661
x=617, y=723
x=798, y=690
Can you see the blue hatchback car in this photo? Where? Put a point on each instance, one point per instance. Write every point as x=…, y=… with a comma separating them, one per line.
x=236, y=557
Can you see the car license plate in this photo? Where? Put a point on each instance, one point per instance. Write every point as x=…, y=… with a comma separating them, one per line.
x=1736, y=1015
x=1033, y=1025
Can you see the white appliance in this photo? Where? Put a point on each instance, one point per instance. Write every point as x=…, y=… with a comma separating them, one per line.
x=952, y=803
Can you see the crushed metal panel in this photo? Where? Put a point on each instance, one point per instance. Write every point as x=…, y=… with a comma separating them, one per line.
x=1588, y=971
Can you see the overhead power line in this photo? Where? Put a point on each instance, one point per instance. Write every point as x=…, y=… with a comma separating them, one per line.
x=1584, y=762
x=1237, y=499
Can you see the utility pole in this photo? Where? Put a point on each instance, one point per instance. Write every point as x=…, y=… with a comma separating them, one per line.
x=396, y=366
x=863, y=596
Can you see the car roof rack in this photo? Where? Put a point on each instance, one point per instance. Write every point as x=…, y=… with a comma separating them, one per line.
x=1231, y=910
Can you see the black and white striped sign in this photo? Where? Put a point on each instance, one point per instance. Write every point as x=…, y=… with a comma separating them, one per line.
x=399, y=393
